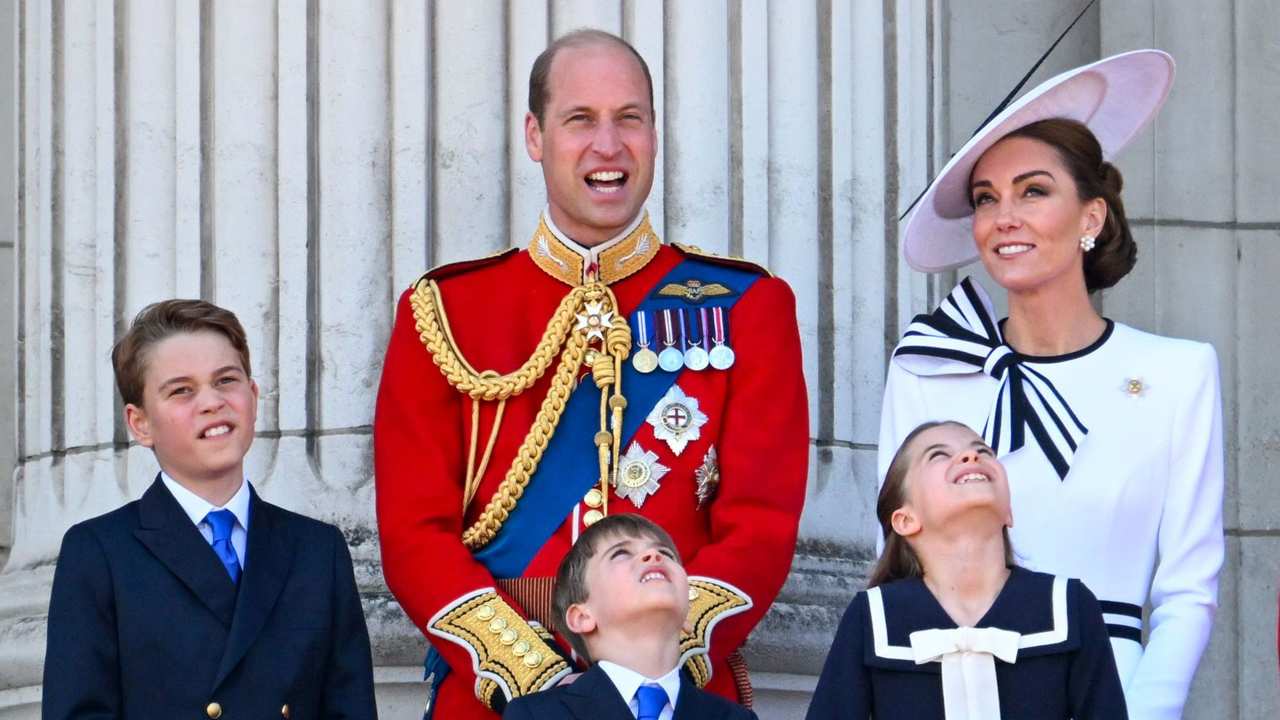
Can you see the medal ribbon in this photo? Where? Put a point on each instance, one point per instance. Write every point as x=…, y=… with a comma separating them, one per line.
x=702, y=328
x=670, y=339
x=642, y=330
x=684, y=336
x=717, y=318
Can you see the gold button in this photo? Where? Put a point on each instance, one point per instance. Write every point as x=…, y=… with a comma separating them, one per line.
x=533, y=659
x=693, y=593
x=497, y=626
x=594, y=498
x=508, y=637
x=592, y=517
x=485, y=612
x=520, y=648
x=284, y=711
x=214, y=711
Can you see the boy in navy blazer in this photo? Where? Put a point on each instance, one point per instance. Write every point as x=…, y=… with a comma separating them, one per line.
x=200, y=599
x=621, y=600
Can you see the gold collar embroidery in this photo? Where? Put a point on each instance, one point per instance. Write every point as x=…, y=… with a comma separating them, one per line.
x=620, y=260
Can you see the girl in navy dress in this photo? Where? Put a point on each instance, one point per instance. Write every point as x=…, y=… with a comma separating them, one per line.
x=949, y=627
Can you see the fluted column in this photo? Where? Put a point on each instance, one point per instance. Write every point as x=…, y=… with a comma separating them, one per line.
x=302, y=161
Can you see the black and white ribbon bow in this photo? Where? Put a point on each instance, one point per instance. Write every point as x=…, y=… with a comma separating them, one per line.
x=962, y=337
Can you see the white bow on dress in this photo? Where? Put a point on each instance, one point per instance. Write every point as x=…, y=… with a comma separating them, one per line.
x=969, y=690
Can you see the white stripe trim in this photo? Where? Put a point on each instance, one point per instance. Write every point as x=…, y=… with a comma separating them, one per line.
x=880, y=632
x=1118, y=619
x=1059, y=631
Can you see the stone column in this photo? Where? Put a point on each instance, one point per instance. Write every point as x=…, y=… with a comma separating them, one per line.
x=302, y=161
x=1201, y=193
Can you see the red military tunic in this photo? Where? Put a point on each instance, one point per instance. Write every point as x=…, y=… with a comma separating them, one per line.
x=740, y=538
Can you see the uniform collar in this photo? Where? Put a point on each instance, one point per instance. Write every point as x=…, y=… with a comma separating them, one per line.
x=611, y=261
x=197, y=507
x=627, y=681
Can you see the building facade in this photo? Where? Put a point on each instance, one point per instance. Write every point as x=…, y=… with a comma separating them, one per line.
x=302, y=161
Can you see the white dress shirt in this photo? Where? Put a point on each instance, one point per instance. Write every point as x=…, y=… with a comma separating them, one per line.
x=628, y=681
x=197, y=507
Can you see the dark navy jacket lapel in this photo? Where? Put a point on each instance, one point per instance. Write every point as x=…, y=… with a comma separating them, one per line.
x=693, y=705
x=268, y=555
x=175, y=541
x=594, y=697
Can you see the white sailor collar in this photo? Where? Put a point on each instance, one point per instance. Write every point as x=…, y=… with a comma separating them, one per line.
x=1033, y=604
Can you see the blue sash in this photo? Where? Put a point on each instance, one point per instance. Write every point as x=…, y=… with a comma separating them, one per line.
x=569, y=466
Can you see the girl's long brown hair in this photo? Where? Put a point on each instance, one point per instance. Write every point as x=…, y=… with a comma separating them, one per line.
x=899, y=561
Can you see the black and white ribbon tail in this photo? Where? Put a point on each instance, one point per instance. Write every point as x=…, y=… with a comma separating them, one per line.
x=962, y=337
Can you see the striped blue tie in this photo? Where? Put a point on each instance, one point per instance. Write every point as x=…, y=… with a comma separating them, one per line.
x=222, y=521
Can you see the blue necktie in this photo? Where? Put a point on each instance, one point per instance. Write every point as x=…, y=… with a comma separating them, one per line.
x=222, y=521
x=651, y=699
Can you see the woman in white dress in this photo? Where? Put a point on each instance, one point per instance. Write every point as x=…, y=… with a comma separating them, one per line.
x=1112, y=436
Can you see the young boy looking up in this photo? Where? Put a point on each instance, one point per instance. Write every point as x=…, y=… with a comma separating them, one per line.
x=200, y=598
x=621, y=599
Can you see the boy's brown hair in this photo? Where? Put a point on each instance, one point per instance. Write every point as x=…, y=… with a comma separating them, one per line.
x=571, y=579
x=162, y=320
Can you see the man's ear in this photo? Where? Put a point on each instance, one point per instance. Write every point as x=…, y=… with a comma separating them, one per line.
x=533, y=137
x=139, y=424
x=579, y=619
x=904, y=521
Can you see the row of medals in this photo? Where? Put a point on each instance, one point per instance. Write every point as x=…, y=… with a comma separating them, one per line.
x=683, y=353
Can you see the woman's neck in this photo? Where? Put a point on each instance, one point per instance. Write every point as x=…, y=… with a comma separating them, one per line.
x=965, y=574
x=1053, y=320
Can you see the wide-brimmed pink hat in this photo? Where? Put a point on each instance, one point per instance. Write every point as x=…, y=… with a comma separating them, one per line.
x=1115, y=97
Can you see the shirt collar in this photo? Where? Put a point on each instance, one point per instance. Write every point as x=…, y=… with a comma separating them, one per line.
x=627, y=681
x=574, y=264
x=197, y=507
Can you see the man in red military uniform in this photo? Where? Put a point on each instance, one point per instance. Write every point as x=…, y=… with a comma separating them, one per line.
x=595, y=371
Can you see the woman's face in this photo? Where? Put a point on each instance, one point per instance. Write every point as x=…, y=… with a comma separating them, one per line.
x=953, y=473
x=1028, y=218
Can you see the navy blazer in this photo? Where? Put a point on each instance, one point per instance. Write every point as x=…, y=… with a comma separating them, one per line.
x=1064, y=669
x=145, y=622
x=593, y=696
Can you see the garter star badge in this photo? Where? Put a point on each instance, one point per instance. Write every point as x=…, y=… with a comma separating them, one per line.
x=676, y=419
x=638, y=474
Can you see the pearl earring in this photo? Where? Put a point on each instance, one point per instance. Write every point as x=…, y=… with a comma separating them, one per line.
x=1087, y=242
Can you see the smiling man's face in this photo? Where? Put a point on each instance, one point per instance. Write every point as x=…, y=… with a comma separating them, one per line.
x=597, y=141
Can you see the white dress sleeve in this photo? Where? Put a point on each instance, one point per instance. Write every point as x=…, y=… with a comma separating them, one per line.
x=1184, y=589
x=902, y=410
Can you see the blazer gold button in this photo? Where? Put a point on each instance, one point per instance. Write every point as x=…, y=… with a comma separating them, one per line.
x=594, y=498
x=284, y=711
x=214, y=711
x=591, y=517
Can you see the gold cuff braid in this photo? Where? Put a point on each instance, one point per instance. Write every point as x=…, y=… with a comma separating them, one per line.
x=710, y=601
x=509, y=654
x=603, y=345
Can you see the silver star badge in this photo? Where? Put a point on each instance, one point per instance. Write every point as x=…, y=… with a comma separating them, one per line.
x=708, y=477
x=638, y=474
x=676, y=419
x=594, y=320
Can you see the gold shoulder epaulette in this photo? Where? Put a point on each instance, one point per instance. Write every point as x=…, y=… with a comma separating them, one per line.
x=734, y=262
x=454, y=268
